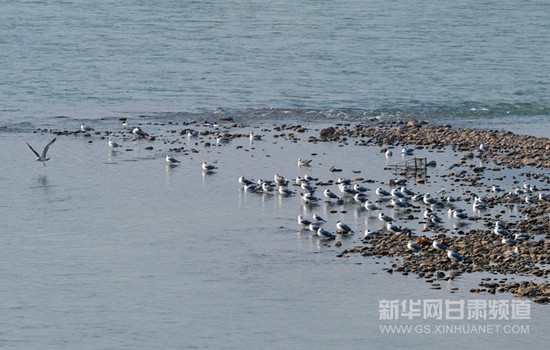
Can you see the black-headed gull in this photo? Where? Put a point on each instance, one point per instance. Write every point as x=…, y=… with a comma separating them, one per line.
x=113, y=144
x=85, y=128
x=42, y=158
x=302, y=221
x=139, y=134
x=343, y=227
x=439, y=246
x=171, y=160
x=324, y=234
x=413, y=246
x=454, y=256
x=318, y=218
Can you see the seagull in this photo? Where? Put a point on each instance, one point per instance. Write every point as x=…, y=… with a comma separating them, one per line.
x=245, y=181
x=398, y=203
x=346, y=189
x=304, y=162
x=429, y=200
x=171, y=160
x=307, y=187
x=252, y=187
x=302, y=221
x=397, y=193
x=42, y=158
x=543, y=197
x=407, y=151
x=192, y=133
x=384, y=218
x=428, y=213
x=222, y=139
x=478, y=204
x=483, y=148
x=510, y=241
x=113, y=144
x=404, y=190
x=515, y=252
x=360, y=198
x=280, y=180
x=313, y=227
x=371, y=206
x=530, y=200
x=85, y=128
x=519, y=191
x=285, y=191
x=381, y=192
x=140, y=134
x=501, y=231
x=330, y=195
x=317, y=218
x=343, y=227
x=369, y=233
x=413, y=246
x=459, y=215
x=208, y=167
x=343, y=181
x=439, y=246
x=393, y=228
x=308, y=198
x=450, y=199
x=360, y=188
x=324, y=234
x=265, y=187
x=454, y=256
x=389, y=153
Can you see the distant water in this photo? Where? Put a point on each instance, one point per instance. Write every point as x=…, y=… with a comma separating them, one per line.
x=464, y=61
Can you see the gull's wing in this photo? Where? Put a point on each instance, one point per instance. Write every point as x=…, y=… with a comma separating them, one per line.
x=47, y=147
x=32, y=149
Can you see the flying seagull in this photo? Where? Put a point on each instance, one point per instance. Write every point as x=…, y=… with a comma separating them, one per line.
x=42, y=158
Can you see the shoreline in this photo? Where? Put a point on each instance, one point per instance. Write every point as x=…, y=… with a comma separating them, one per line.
x=481, y=248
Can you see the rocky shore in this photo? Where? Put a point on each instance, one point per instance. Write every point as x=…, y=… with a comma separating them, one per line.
x=482, y=249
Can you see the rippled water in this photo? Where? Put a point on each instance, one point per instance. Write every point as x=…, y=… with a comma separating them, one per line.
x=440, y=60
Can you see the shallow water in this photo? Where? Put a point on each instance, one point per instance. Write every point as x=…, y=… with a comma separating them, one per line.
x=109, y=250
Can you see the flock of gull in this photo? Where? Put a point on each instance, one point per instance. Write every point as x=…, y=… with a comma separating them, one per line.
x=138, y=134
x=399, y=197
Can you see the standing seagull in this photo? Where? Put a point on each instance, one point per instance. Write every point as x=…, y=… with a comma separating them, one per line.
x=42, y=158
x=171, y=160
x=139, y=134
x=85, y=128
x=113, y=144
